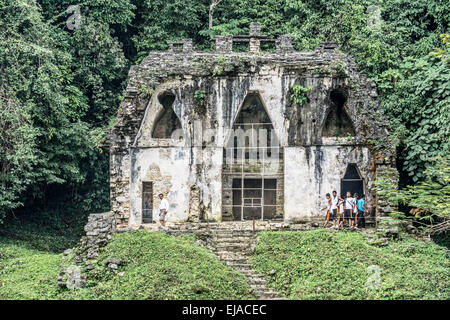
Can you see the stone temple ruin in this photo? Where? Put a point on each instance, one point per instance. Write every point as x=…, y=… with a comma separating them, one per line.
x=251, y=130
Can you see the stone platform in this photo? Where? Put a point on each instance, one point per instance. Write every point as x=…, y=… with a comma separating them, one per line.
x=257, y=225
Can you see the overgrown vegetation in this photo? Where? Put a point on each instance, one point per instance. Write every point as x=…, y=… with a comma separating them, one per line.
x=330, y=264
x=428, y=199
x=153, y=266
x=299, y=94
x=60, y=87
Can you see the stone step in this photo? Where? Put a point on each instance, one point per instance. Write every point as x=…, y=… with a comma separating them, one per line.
x=228, y=244
x=232, y=234
x=263, y=296
x=230, y=259
x=242, y=270
x=237, y=239
x=231, y=256
x=251, y=273
x=238, y=265
x=234, y=250
x=234, y=238
x=240, y=244
x=233, y=247
x=258, y=287
x=256, y=280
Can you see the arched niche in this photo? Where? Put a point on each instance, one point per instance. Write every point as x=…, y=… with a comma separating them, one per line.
x=167, y=121
x=252, y=115
x=337, y=122
x=252, y=112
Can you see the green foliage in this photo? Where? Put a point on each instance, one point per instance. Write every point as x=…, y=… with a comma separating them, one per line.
x=199, y=95
x=53, y=230
x=17, y=142
x=60, y=88
x=298, y=94
x=34, y=76
x=431, y=196
x=156, y=266
x=62, y=92
x=158, y=21
x=419, y=99
x=27, y=274
x=329, y=264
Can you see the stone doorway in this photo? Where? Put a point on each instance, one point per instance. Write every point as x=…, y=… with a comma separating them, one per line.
x=147, y=202
x=352, y=181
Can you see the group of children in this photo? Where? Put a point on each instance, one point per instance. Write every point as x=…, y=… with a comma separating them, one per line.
x=350, y=210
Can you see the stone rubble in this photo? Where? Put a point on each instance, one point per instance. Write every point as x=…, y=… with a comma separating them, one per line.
x=99, y=230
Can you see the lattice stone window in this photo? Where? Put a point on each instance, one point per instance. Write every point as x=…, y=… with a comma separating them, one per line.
x=252, y=174
x=254, y=198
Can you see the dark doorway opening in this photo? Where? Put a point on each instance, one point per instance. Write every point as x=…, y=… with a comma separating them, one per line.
x=352, y=181
x=147, y=202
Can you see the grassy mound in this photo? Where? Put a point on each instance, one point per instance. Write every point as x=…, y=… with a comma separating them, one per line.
x=155, y=266
x=159, y=266
x=330, y=264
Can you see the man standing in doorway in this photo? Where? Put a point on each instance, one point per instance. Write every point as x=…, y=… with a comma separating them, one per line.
x=163, y=209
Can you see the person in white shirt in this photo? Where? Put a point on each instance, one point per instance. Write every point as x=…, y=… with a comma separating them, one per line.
x=163, y=209
x=349, y=204
x=334, y=209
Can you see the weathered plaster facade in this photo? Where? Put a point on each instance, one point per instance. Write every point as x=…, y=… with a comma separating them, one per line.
x=207, y=92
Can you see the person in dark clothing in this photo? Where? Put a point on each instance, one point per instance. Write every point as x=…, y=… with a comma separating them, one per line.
x=362, y=209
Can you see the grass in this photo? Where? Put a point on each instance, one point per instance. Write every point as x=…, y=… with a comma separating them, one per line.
x=330, y=264
x=47, y=231
x=159, y=266
x=156, y=266
x=317, y=264
x=27, y=273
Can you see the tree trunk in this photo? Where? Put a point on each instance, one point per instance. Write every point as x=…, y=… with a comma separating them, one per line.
x=214, y=3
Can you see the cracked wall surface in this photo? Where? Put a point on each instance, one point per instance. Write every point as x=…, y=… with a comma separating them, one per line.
x=209, y=89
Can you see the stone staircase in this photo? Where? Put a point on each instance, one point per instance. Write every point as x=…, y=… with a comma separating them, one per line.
x=233, y=243
x=234, y=247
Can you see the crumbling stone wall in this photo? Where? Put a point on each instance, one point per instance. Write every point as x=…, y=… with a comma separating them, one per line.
x=224, y=78
x=76, y=262
x=388, y=173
